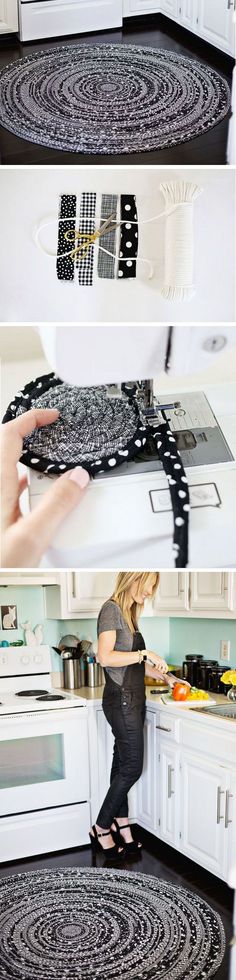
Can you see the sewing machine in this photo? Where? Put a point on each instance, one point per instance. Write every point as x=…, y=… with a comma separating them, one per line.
x=125, y=517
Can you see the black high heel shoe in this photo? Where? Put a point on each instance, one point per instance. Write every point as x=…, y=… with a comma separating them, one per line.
x=109, y=852
x=132, y=847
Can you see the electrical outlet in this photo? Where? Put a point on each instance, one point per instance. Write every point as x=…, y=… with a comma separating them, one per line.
x=225, y=651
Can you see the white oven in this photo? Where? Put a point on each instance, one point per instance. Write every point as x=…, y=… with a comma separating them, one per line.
x=57, y=18
x=43, y=760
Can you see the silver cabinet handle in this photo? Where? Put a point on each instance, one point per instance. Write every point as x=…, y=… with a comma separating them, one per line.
x=231, y=3
x=162, y=729
x=73, y=585
x=228, y=797
x=170, y=791
x=220, y=792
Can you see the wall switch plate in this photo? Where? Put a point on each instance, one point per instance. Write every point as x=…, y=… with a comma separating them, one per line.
x=225, y=650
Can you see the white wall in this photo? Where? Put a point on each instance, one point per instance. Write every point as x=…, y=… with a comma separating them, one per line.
x=29, y=288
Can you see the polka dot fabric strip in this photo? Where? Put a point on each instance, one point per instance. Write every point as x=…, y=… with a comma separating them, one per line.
x=128, y=237
x=178, y=487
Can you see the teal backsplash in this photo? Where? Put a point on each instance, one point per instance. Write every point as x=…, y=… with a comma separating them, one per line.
x=173, y=638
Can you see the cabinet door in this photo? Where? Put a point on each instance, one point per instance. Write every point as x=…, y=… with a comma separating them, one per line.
x=86, y=591
x=146, y=783
x=230, y=822
x=215, y=23
x=212, y=591
x=132, y=7
x=168, y=792
x=169, y=7
x=203, y=797
x=173, y=593
x=187, y=13
x=8, y=16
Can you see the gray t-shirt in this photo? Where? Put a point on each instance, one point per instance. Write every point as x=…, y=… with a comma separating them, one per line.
x=111, y=618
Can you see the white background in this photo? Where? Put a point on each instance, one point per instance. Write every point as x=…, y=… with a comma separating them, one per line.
x=30, y=290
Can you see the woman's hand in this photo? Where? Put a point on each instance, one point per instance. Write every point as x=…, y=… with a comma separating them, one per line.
x=157, y=662
x=25, y=539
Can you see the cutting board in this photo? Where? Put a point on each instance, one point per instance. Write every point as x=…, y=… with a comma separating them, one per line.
x=198, y=702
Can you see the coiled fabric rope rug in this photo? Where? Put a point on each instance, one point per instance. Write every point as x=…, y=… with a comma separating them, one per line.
x=110, y=98
x=82, y=924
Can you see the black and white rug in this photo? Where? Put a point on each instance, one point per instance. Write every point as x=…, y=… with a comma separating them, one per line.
x=110, y=98
x=82, y=924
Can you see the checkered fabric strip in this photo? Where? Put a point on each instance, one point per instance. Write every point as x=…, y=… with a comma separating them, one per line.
x=67, y=209
x=85, y=261
x=128, y=237
x=106, y=263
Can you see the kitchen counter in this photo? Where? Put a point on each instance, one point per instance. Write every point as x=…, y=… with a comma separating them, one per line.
x=93, y=695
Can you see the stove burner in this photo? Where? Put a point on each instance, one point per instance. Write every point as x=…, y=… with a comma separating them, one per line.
x=51, y=697
x=29, y=694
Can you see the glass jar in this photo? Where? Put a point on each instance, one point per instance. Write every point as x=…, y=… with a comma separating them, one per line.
x=231, y=695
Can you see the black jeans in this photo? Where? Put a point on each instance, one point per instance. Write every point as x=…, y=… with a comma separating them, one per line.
x=124, y=708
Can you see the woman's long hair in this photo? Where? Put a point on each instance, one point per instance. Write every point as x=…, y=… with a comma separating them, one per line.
x=120, y=595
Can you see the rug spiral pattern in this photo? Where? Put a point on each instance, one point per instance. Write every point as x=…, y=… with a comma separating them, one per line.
x=110, y=98
x=92, y=924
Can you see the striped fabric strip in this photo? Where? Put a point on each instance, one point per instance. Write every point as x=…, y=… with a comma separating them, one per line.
x=128, y=237
x=106, y=263
x=86, y=226
x=66, y=265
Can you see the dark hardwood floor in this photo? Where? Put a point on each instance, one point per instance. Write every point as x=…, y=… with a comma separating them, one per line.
x=156, y=859
x=156, y=31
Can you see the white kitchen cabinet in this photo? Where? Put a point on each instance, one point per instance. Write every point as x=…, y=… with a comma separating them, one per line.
x=204, y=806
x=214, y=23
x=168, y=791
x=211, y=20
x=230, y=819
x=172, y=594
x=146, y=802
x=187, y=13
x=42, y=18
x=191, y=593
x=80, y=595
x=8, y=16
x=212, y=591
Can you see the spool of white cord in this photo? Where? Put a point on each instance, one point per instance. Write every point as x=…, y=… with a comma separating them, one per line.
x=179, y=239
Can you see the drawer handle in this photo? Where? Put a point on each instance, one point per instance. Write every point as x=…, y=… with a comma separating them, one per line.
x=170, y=791
x=73, y=585
x=162, y=729
x=228, y=797
x=220, y=792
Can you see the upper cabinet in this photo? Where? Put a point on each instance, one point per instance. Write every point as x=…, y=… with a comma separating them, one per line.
x=8, y=16
x=81, y=595
x=35, y=576
x=212, y=594
x=211, y=20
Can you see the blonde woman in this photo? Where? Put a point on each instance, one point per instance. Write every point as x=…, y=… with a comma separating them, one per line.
x=122, y=654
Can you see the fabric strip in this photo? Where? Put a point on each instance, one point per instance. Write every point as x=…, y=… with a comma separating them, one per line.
x=85, y=261
x=128, y=237
x=178, y=487
x=106, y=263
x=66, y=266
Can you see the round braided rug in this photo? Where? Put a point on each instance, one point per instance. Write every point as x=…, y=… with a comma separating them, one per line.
x=88, y=924
x=110, y=98
x=93, y=430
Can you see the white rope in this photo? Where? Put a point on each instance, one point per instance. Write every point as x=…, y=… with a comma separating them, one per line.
x=179, y=240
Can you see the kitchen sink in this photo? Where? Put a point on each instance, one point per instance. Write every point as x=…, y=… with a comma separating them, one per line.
x=221, y=710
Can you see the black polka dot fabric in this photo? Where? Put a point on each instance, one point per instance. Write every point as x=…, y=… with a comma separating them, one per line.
x=128, y=237
x=67, y=223
x=178, y=487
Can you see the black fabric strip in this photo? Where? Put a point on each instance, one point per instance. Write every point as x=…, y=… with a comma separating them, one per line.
x=128, y=237
x=178, y=487
x=66, y=265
